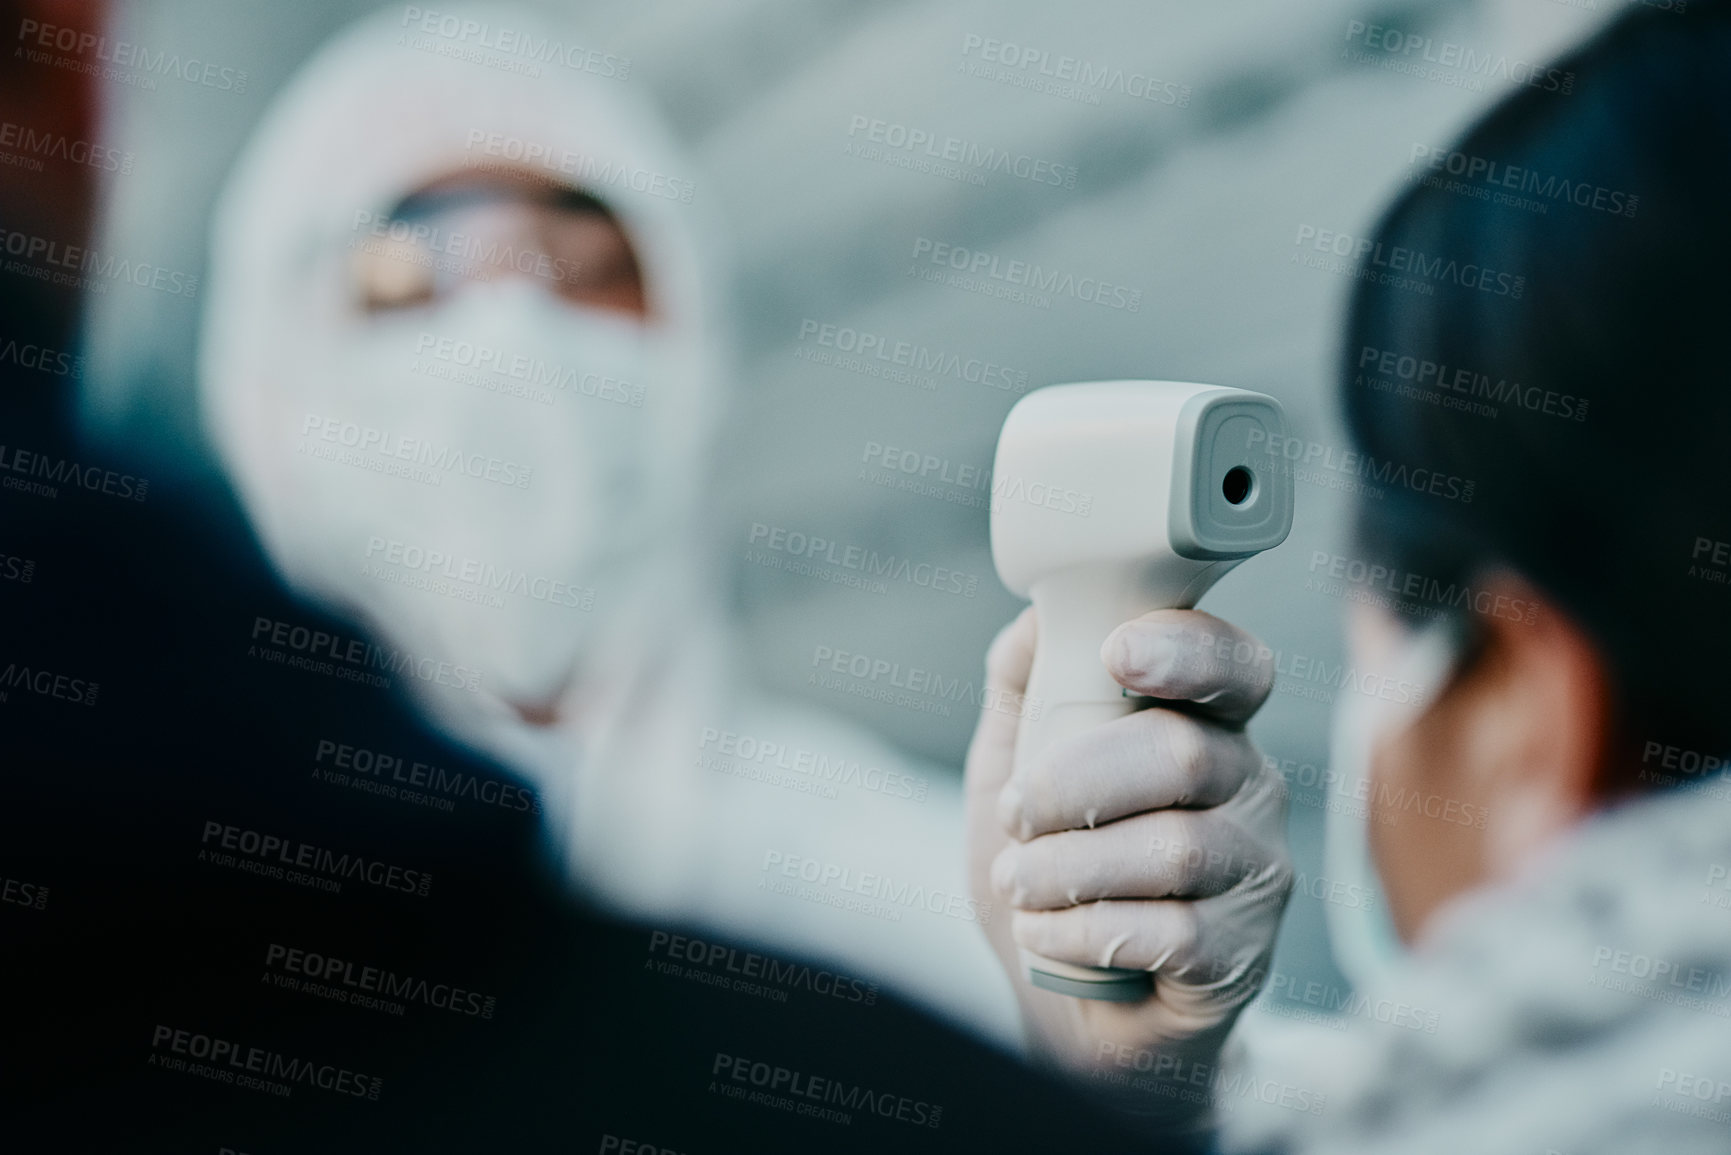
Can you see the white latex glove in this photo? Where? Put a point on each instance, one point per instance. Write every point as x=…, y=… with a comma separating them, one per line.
x=1154, y=842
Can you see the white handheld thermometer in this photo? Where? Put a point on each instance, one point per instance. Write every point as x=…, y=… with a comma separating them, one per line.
x=1111, y=499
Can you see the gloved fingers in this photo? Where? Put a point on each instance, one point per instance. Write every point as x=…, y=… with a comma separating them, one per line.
x=1161, y=854
x=1148, y=760
x=1191, y=656
x=1133, y=934
x=991, y=754
x=1209, y=948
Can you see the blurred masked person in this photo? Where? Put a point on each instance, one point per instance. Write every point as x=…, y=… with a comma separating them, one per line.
x=463, y=364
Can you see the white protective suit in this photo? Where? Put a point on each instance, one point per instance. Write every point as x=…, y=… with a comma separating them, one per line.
x=515, y=485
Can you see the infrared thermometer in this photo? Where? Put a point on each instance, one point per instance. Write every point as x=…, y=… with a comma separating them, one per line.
x=1112, y=499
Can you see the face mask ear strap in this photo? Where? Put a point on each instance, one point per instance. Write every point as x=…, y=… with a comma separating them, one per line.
x=1429, y=658
x=1435, y=655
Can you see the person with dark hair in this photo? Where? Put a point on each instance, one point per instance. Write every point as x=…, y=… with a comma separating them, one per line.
x=1534, y=376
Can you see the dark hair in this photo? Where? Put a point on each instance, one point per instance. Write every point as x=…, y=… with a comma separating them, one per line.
x=1567, y=267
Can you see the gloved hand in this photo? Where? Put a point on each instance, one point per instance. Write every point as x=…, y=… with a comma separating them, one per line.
x=1169, y=813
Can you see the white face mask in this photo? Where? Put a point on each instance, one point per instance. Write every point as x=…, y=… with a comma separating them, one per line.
x=492, y=562
x=1384, y=653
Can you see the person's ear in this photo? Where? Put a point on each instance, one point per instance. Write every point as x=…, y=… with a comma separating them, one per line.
x=1519, y=735
x=1543, y=719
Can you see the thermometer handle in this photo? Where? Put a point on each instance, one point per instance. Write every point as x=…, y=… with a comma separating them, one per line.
x=1069, y=691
